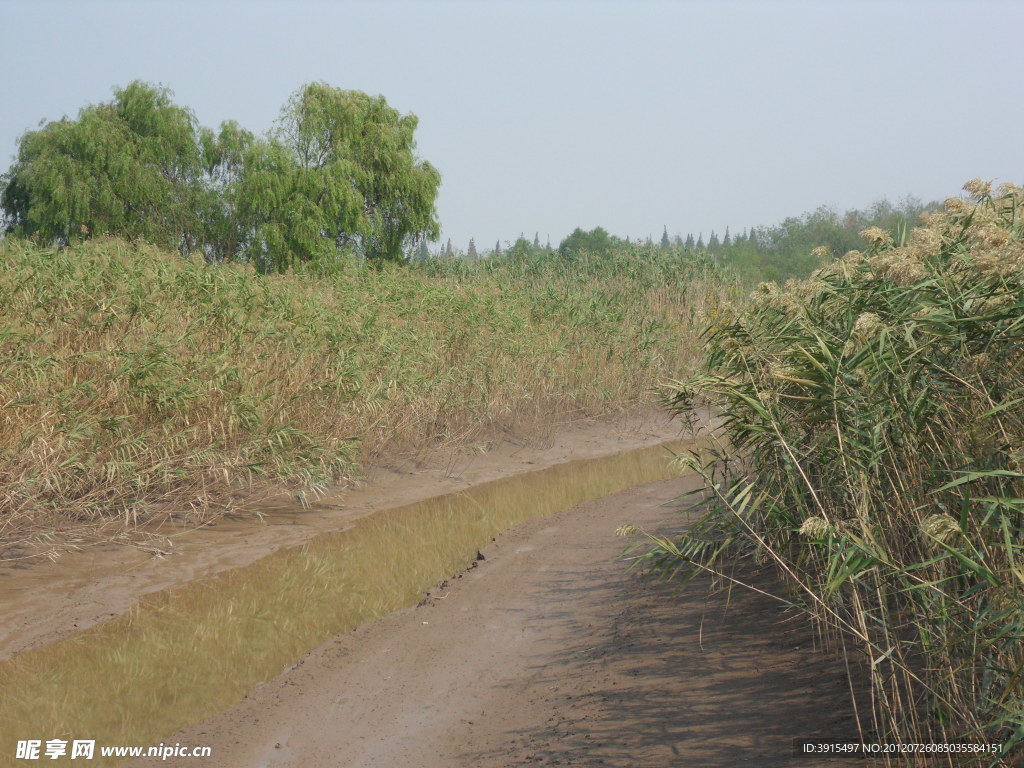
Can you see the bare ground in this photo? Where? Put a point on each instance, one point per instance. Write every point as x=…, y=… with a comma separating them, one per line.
x=551, y=652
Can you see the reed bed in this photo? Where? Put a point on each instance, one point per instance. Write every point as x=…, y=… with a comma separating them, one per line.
x=134, y=381
x=875, y=421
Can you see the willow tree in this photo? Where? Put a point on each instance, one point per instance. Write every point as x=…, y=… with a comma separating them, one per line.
x=129, y=167
x=340, y=173
x=225, y=234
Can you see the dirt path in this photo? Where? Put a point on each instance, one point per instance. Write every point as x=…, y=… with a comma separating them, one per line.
x=549, y=652
x=42, y=601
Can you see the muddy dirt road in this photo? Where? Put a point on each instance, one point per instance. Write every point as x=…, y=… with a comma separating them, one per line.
x=43, y=602
x=549, y=652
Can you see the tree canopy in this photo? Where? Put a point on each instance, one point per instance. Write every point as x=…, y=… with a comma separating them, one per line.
x=338, y=174
x=127, y=167
x=597, y=242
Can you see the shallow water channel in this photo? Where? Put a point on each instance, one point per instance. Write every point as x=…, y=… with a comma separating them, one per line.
x=184, y=654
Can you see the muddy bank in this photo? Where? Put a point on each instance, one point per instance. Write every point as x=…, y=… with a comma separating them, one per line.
x=549, y=652
x=44, y=601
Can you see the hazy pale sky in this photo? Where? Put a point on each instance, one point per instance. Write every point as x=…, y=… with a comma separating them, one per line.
x=545, y=116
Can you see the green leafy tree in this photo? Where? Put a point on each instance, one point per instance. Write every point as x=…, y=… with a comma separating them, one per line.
x=339, y=173
x=597, y=242
x=129, y=167
x=523, y=249
x=293, y=214
x=224, y=235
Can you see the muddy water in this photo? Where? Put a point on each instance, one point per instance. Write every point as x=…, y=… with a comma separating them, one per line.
x=186, y=653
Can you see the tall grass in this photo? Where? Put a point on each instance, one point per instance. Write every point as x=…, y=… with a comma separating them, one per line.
x=131, y=378
x=875, y=418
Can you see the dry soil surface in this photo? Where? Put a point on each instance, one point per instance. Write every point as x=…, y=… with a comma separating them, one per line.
x=551, y=652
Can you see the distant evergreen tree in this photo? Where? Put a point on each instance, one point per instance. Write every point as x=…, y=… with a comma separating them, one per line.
x=497, y=248
x=649, y=241
x=536, y=240
x=548, y=246
x=713, y=240
x=727, y=241
x=690, y=241
x=471, y=253
x=665, y=243
x=422, y=254
x=700, y=241
x=448, y=249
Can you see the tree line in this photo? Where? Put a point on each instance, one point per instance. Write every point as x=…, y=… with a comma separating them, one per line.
x=337, y=174
x=789, y=249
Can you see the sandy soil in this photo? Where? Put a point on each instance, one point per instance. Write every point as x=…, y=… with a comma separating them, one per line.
x=550, y=652
x=43, y=601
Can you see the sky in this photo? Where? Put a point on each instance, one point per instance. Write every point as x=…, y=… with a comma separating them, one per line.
x=544, y=116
